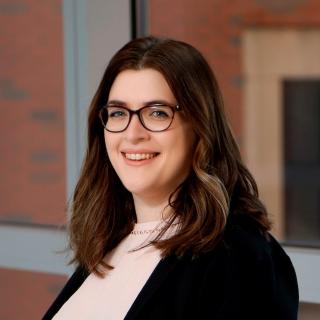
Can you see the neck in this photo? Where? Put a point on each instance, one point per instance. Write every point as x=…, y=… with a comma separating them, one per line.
x=150, y=209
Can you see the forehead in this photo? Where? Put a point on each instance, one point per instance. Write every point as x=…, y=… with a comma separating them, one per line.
x=137, y=86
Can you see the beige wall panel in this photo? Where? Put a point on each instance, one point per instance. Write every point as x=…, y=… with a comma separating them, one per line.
x=269, y=56
x=281, y=53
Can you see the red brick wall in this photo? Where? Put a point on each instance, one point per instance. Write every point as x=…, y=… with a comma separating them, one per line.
x=32, y=133
x=27, y=295
x=32, y=141
x=215, y=27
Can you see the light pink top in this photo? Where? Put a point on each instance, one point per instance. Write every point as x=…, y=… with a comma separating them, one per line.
x=111, y=297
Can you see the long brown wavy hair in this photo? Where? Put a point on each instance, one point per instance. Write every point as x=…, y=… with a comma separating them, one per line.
x=103, y=210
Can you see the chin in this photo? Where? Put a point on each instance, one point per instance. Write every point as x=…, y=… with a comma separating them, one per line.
x=137, y=189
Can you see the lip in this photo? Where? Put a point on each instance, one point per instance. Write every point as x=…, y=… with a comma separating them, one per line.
x=137, y=163
x=138, y=151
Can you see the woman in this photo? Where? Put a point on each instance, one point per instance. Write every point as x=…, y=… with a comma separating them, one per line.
x=166, y=220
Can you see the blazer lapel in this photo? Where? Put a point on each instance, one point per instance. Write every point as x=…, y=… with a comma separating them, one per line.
x=73, y=284
x=159, y=274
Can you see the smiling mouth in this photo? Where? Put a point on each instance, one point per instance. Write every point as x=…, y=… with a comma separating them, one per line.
x=140, y=156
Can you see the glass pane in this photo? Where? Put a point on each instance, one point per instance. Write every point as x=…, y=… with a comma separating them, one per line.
x=252, y=54
x=32, y=292
x=301, y=123
x=32, y=143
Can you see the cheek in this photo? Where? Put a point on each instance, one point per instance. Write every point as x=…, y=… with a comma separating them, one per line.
x=111, y=145
x=182, y=150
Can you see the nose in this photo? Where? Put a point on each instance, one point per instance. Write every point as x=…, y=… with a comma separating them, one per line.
x=135, y=131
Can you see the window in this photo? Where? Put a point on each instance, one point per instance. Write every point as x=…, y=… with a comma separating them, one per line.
x=301, y=126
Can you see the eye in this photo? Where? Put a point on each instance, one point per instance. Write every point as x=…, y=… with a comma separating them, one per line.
x=117, y=112
x=159, y=113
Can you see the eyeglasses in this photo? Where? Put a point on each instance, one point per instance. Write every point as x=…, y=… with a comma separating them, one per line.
x=155, y=118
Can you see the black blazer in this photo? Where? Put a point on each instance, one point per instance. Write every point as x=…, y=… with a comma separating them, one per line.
x=247, y=276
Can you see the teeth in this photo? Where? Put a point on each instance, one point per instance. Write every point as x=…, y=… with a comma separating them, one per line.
x=140, y=156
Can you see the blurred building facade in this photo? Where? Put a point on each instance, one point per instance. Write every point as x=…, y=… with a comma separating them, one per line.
x=265, y=54
x=32, y=148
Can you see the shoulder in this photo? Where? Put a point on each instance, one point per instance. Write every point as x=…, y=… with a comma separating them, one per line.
x=252, y=272
x=259, y=253
x=243, y=236
x=243, y=241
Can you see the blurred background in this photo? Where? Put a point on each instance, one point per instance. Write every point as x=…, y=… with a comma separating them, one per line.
x=266, y=56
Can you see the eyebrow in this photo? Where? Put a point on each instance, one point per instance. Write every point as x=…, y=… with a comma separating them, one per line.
x=147, y=103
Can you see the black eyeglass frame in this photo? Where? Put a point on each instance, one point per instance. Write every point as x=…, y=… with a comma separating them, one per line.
x=174, y=108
